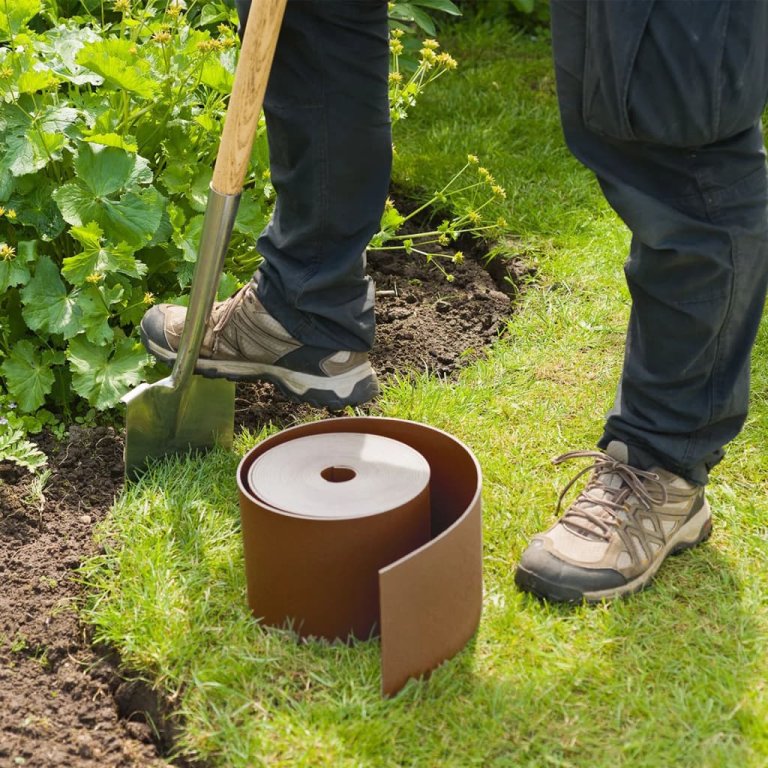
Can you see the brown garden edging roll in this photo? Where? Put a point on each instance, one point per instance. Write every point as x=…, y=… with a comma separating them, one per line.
x=412, y=574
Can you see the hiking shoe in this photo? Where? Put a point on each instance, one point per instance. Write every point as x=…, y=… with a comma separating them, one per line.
x=243, y=342
x=613, y=538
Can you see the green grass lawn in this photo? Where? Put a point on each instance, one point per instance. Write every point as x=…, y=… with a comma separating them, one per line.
x=675, y=676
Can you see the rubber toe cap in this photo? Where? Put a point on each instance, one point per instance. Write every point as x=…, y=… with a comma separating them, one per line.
x=153, y=327
x=540, y=572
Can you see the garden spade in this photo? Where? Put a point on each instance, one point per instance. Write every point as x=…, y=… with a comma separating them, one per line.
x=185, y=411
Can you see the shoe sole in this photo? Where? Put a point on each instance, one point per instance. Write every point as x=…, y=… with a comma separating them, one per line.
x=355, y=387
x=697, y=530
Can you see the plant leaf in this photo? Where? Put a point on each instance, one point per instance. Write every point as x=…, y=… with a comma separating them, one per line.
x=15, y=447
x=121, y=66
x=47, y=305
x=14, y=15
x=102, y=169
x=211, y=14
x=95, y=303
x=28, y=376
x=228, y=284
x=98, y=257
x=30, y=144
x=7, y=184
x=34, y=80
x=189, y=239
x=12, y=272
x=36, y=208
x=216, y=76
x=447, y=6
x=134, y=218
x=127, y=143
x=409, y=12
x=59, y=48
x=103, y=374
x=252, y=215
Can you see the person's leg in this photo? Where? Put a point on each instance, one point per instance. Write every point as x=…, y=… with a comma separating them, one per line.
x=306, y=320
x=646, y=104
x=698, y=264
x=328, y=126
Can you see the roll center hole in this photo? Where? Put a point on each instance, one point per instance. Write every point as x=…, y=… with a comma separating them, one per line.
x=338, y=474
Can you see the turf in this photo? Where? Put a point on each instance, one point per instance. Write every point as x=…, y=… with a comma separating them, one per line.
x=677, y=675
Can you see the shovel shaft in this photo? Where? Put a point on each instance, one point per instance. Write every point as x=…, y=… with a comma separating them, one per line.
x=220, y=215
x=259, y=41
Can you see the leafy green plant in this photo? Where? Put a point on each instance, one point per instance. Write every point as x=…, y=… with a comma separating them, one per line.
x=110, y=115
x=14, y=443
x=461, y=197
x=108, y=128
x=408, y=79
x=465, y=196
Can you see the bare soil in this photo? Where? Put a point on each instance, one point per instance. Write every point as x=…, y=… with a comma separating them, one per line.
x=63, y=702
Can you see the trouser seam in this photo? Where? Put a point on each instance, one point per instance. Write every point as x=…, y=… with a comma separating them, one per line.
x=712, y=207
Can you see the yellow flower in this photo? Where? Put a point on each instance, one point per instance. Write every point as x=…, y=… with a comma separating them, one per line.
x=122, y=6
x=499, y=191
x=149, y=298
x=7, y=252
x=473, y=159
x=428, y=55
x=11, y=214
x=162, y=36
x=458, y=258
x=447, y=61
x=431, y=44
x=94, y=278
x=486, y=174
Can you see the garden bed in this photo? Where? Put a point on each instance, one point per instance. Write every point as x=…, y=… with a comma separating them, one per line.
x=62, y=701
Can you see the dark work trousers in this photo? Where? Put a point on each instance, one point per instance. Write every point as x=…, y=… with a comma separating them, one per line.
x=662, y=101
x=330, y=146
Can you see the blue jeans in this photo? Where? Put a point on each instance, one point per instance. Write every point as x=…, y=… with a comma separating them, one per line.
x=662, y=101
x=327, y=114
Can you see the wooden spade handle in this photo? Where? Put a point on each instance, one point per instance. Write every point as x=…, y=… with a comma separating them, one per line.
x=251, y=76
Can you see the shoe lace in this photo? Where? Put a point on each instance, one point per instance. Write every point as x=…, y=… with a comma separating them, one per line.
x=222, y=310
x=597, y=508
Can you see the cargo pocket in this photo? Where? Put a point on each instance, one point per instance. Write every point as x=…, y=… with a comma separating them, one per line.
x=675, y=72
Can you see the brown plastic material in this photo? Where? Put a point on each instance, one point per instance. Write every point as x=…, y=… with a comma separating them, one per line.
x=386, y=573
